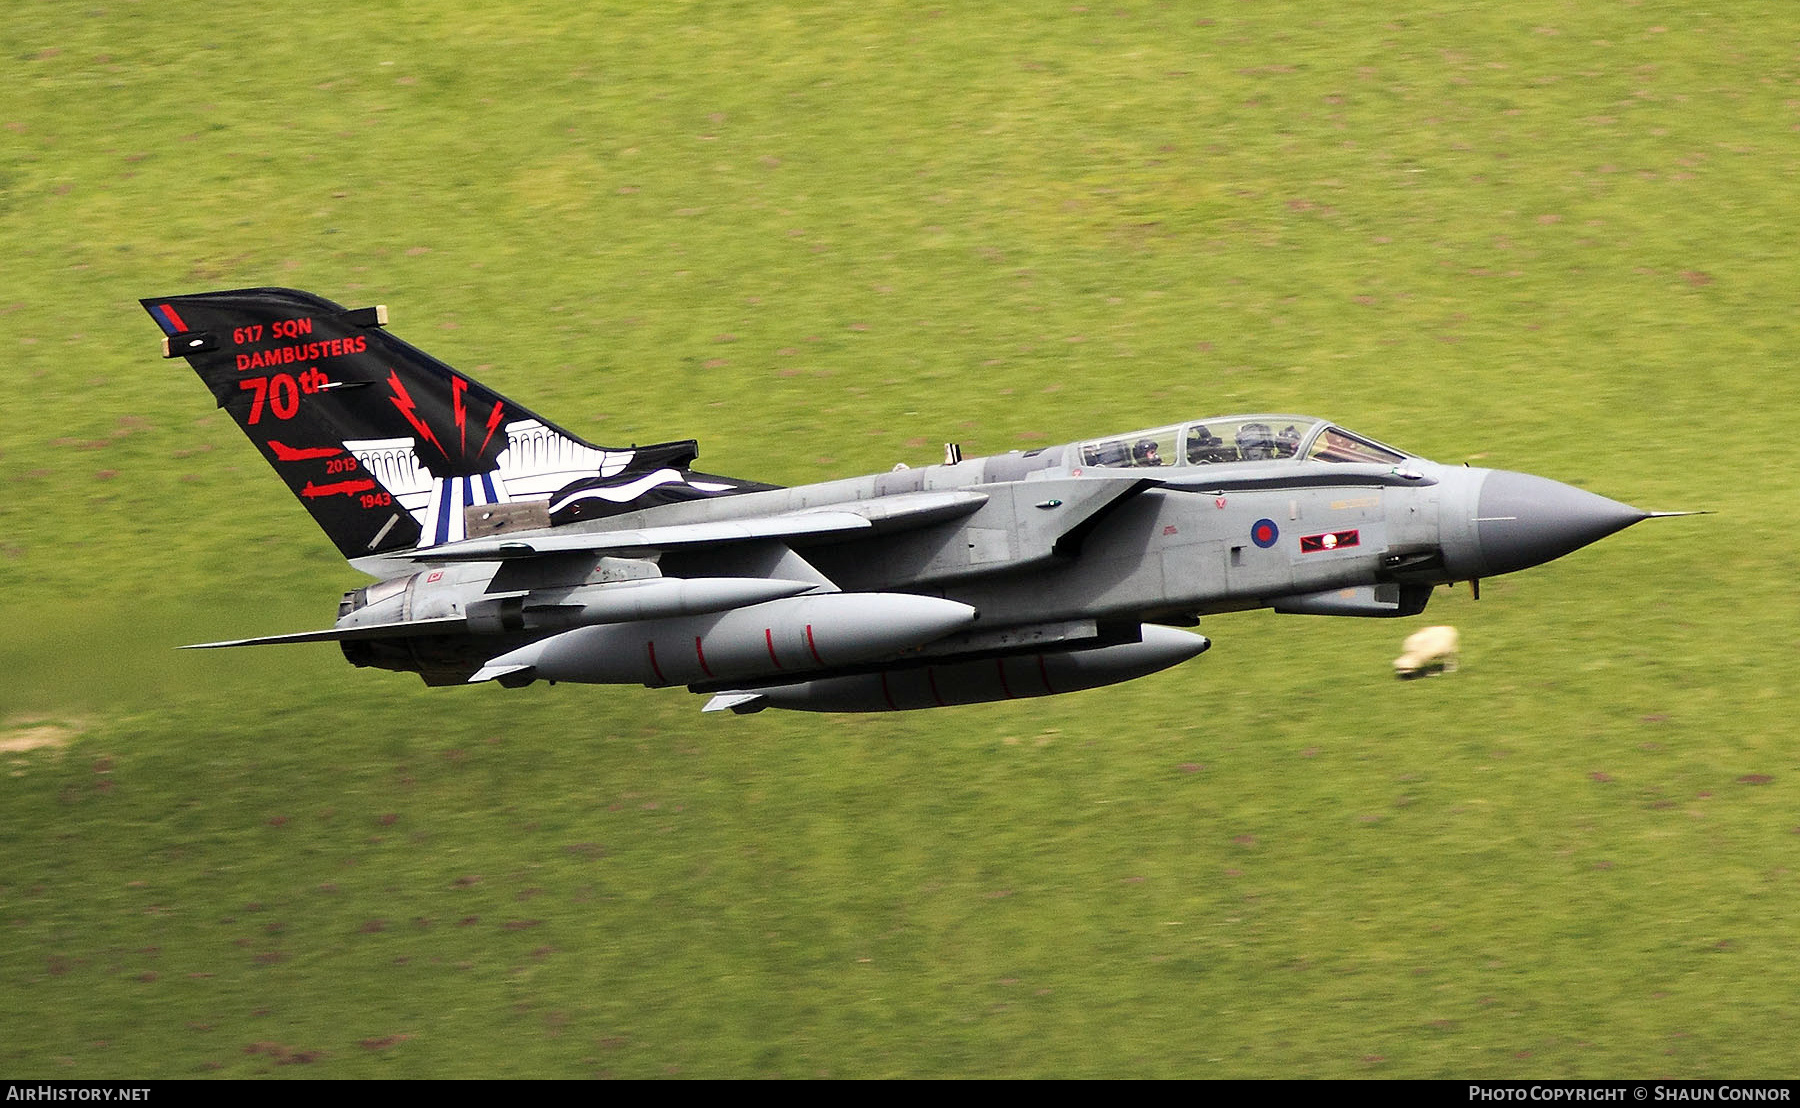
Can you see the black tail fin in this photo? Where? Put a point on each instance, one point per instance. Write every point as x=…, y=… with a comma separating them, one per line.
x=386, y=446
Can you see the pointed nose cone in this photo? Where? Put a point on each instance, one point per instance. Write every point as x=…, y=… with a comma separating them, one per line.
x=1524, y=521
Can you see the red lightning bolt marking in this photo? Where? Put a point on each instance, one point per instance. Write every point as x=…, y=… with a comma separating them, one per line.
x=493, y=422
x=457, y=387
x=404, y=401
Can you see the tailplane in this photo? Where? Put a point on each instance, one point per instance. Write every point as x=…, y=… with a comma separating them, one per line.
x=391, y=449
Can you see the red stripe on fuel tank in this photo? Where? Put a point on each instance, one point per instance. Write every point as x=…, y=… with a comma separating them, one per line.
x=888, y=695
x=1044, y=673
x=650, y=646
x=810, y=646
x=1000, y=668
x=931, y=679
x=769, y=637
x=700, y=653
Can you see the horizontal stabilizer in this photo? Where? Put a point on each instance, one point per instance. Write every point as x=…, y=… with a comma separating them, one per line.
x=411, y=629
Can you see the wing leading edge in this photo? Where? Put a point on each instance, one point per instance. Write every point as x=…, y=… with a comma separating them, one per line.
x=873, y=517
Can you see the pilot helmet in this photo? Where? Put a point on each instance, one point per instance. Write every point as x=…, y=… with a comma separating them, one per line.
x=1144, y=451
x=1255, y=442
x=1202, y=445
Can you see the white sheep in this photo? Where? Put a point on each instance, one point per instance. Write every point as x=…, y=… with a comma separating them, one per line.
x=1427, y=651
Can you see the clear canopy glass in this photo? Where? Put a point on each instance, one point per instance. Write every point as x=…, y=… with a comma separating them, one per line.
x=1231, y=439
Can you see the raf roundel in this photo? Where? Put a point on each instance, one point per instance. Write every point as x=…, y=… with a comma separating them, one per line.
x=1264, y=533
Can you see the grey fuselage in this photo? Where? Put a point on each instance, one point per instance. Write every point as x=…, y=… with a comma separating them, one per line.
x=1080, y=555
x=508, y=549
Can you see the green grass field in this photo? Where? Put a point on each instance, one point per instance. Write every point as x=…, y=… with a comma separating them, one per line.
x=1543, y=236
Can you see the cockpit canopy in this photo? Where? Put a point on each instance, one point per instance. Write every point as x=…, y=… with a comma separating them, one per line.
x=1229, y=439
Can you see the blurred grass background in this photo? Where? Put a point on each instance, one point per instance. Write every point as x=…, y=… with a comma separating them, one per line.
x=823, y=239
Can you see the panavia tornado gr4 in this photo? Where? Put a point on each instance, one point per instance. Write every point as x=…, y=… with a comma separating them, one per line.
x=507, y=549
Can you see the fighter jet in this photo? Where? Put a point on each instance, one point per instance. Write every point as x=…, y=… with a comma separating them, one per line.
x=505, y=548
